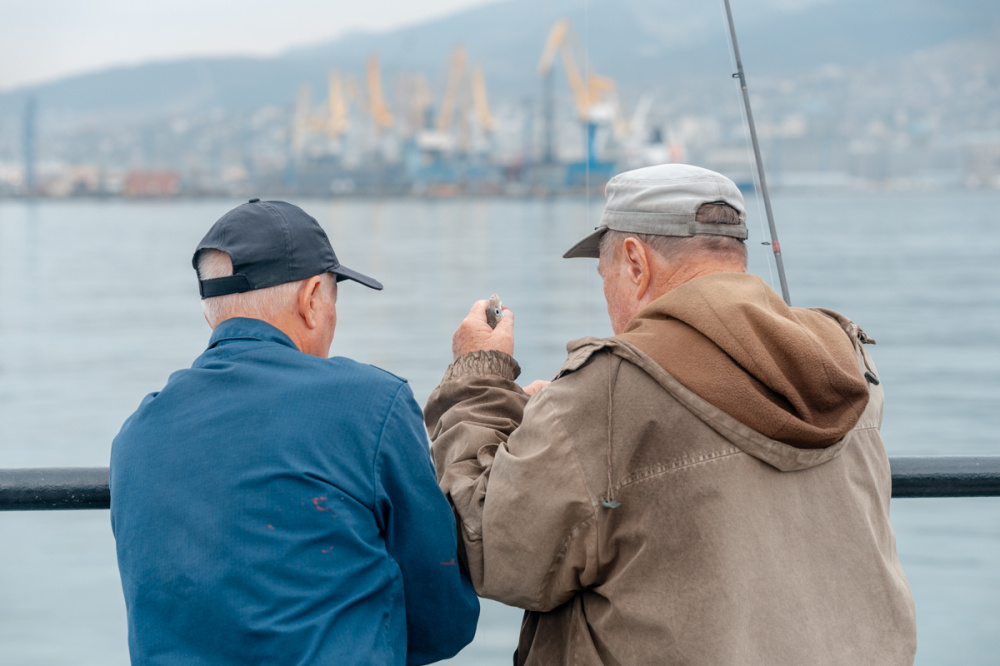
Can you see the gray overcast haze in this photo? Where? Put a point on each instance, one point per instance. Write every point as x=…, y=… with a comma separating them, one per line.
x=44, y=40
x=47, y=39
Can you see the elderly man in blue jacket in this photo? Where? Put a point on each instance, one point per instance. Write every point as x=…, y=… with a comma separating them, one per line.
x=272, y=505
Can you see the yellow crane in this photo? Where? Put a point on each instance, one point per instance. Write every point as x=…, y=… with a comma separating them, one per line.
x=334, y=122
x=456, y=69
x=473, y=85
x=465, y=95
x=337, y=122
x=595, y=96
x=376, y=103
x=480, y=101
x=589, y=90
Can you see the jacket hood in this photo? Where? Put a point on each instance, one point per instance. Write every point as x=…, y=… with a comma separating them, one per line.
x=790, y=374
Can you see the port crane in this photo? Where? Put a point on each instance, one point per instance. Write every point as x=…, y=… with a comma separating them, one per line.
x=480, y=101
x=334, y=122
x=376, y=102
x=465, y=93
x=595, y=96
x=334, y=118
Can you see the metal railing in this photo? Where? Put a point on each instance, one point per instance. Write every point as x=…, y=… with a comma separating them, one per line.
x=943, y=476
x=54, y=488
x=62, y=488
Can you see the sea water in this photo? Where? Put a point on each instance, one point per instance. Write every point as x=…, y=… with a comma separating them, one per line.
x=98, y=304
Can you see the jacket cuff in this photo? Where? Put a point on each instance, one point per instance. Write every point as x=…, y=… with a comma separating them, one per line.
x=480, y=363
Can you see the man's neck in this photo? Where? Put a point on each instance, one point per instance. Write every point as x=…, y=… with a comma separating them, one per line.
x=671, y=276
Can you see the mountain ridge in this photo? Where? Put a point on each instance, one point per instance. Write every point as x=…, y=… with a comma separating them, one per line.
x=642, y=44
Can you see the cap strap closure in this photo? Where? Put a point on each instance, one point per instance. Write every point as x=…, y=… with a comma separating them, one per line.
x=708, y=229
x=669, y=224
x=231, y=284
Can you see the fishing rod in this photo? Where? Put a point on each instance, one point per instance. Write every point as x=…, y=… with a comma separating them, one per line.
x=775, y=246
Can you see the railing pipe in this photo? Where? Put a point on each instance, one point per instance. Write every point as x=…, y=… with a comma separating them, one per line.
x=62, y=488
x=945, y=476
x=54, y=488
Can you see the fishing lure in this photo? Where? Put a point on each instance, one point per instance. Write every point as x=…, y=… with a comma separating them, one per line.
x=494, y=311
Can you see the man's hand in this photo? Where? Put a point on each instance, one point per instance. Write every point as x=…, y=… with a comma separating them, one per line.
x=475, y=334
x=536, y=386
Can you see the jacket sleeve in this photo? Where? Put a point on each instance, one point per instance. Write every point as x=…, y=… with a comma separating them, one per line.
x=441, y=606
x=509, y=468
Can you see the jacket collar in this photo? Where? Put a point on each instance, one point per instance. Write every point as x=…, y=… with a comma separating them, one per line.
x=241, y=328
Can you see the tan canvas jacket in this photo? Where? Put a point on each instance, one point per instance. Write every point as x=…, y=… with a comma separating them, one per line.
x=639, y=524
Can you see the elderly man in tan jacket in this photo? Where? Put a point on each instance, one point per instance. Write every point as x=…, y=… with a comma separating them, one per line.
x=708, y=486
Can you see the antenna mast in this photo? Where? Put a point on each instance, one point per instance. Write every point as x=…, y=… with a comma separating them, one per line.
x=775, y=246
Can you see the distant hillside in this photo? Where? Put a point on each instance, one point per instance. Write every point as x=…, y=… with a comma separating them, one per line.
x=641, y=43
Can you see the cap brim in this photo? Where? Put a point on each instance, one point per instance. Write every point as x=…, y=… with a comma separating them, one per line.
x=589, y=247
x=345, y=273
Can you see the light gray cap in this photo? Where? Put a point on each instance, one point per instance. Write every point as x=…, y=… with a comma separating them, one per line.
x=663, y=200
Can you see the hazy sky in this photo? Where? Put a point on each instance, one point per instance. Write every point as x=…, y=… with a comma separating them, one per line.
x=45, y=39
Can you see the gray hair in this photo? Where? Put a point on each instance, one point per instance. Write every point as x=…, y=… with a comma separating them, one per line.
x=676, y=249
x=265, y=304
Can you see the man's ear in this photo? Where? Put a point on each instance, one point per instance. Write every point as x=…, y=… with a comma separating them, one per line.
x=308, y=301
x=636, y=265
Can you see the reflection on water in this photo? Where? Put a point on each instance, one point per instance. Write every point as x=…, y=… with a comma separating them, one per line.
x=98, y=304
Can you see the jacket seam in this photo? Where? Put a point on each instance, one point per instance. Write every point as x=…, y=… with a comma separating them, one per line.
x=244, y=351
x=241, y=353
x=564, y=546
x=378, y=448
x=683, y=463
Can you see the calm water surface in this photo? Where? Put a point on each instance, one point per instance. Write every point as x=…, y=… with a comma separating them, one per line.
x=98, y=304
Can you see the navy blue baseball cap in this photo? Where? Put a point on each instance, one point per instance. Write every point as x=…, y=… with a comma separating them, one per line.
x=271, y=243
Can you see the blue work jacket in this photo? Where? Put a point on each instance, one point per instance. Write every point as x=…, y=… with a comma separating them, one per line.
x=272, y=507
